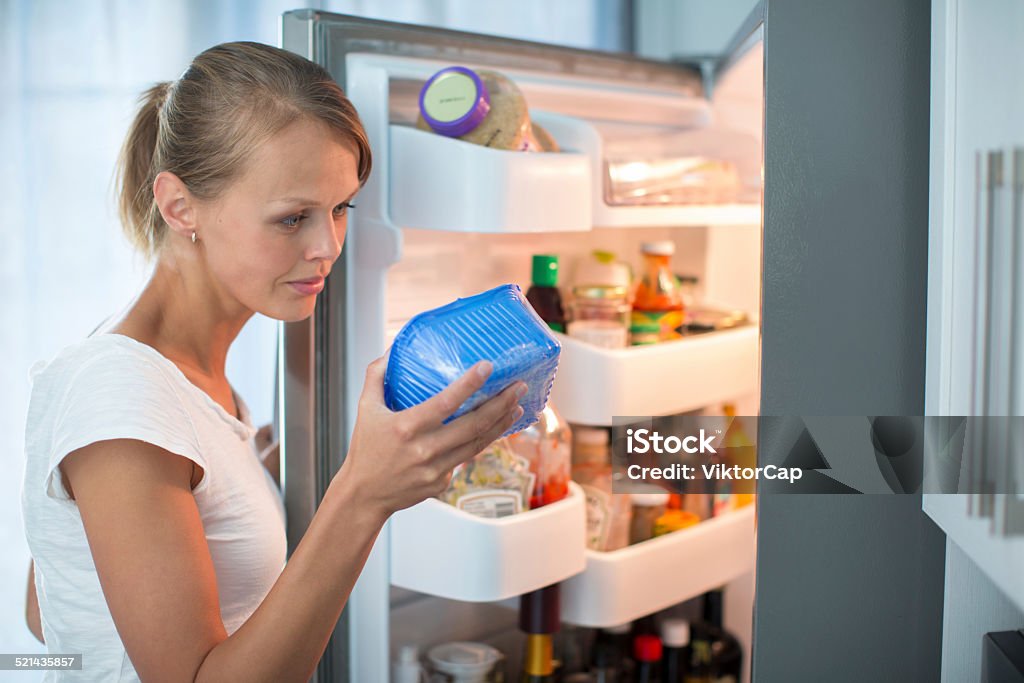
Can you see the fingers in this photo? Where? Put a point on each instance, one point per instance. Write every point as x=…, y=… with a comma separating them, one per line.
x=483, y=425
x=373, y=384
x=483, y=439
x=437, y=409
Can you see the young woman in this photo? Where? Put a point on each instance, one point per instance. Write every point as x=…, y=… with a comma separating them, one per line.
x=157, y=534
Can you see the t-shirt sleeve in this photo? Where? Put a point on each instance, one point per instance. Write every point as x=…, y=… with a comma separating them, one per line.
x=117, y=395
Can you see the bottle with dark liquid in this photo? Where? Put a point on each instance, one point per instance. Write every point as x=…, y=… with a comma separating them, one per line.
x=543, y=293
x=647, y=652
x=716, y=656
x=675, y=637
x=539, y=618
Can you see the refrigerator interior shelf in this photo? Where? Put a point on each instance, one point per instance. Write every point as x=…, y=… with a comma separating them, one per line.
x=623, y=585
x=440, y=550
x=440, y=183
x=582, y=136
x=594, y=384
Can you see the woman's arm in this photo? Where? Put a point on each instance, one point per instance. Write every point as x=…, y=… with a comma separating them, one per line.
x=32, y=605
x=154, y=565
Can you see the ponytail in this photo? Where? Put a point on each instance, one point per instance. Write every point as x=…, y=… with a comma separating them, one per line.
x=140, y=218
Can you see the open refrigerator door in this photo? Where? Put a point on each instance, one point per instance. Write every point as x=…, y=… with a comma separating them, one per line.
x=644, y=157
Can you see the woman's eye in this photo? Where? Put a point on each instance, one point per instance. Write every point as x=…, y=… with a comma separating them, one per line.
x=340, y=209
x=292, y=221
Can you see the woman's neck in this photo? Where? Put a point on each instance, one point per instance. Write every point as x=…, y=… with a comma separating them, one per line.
x=186, y=316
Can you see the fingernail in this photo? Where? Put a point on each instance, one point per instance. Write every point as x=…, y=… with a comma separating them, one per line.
x=484, y=368
x=521, y=390
x=517, y=413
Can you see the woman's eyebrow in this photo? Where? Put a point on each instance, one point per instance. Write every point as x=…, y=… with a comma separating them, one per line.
x=303, y=200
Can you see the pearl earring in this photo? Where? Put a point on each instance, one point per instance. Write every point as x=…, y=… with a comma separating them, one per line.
x=193, y=237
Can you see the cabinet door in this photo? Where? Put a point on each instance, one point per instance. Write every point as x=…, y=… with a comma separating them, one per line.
x=975, y=362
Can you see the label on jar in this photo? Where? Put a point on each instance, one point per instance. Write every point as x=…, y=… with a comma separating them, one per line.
x=491, y=503
x=599, y=505
x=643, y=324
x=604, y=333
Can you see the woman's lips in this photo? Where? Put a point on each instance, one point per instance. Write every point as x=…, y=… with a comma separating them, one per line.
x=308, y=287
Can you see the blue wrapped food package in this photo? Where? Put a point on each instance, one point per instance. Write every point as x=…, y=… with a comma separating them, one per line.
x=436, y=347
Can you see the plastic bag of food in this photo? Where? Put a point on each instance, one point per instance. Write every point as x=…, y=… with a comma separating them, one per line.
x=495, y=483
x=499, y=325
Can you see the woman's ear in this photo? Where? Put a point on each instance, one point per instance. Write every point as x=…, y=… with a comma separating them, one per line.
x=175, y=203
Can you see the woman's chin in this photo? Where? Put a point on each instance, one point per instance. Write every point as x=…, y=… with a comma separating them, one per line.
x=293, y=312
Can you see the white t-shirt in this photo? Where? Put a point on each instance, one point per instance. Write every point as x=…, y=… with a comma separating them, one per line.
x=113, y=387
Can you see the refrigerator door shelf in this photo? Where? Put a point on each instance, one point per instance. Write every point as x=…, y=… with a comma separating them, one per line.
x=440, y=550
x=441, y=183
x=623, y=585
x=595, y=384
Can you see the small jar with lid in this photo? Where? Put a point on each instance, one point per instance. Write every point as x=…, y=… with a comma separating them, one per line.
x=483, y=107
x=647, y=508
x=600, y=315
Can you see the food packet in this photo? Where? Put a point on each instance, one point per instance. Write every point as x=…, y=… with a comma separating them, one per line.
x=495, y=483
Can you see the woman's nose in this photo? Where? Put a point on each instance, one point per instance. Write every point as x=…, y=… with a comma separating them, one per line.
x=328, y=239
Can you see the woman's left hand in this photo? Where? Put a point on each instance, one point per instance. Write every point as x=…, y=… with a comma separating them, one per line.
x=269, y=451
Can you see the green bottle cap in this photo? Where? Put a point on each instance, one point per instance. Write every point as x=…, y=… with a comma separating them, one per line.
x=545, y=270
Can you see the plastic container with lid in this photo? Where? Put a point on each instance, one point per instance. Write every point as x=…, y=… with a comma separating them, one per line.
x=602, y=267
x=647, y=508
x=600, y=315
x=436, y=347
x=483, y=107
x=407, y=668
x=465, y=662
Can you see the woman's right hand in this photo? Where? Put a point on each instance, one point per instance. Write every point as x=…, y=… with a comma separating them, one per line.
x=397, y=459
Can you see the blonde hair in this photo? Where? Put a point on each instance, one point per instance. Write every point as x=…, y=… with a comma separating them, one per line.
x=204, y=126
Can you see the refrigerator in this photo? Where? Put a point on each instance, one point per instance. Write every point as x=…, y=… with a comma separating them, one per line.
x=441, y=219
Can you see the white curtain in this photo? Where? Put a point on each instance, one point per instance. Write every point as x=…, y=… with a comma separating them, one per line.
x=70, y=73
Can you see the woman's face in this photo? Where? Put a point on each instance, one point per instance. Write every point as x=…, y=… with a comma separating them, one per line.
x=271, y=239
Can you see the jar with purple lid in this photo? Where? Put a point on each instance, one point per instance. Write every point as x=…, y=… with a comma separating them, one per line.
x=482, y=107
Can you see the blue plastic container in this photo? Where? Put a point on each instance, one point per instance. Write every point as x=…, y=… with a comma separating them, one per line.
x=433, y=349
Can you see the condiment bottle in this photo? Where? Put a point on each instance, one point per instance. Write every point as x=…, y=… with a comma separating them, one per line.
x=675, y=636
x=543, y=294
x=647, y=508
x=647, y=652
x=546, y=445
x=608, y=513
x=658, y=303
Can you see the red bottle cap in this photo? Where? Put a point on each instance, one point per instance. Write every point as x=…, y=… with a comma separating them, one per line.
x=647, y=648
